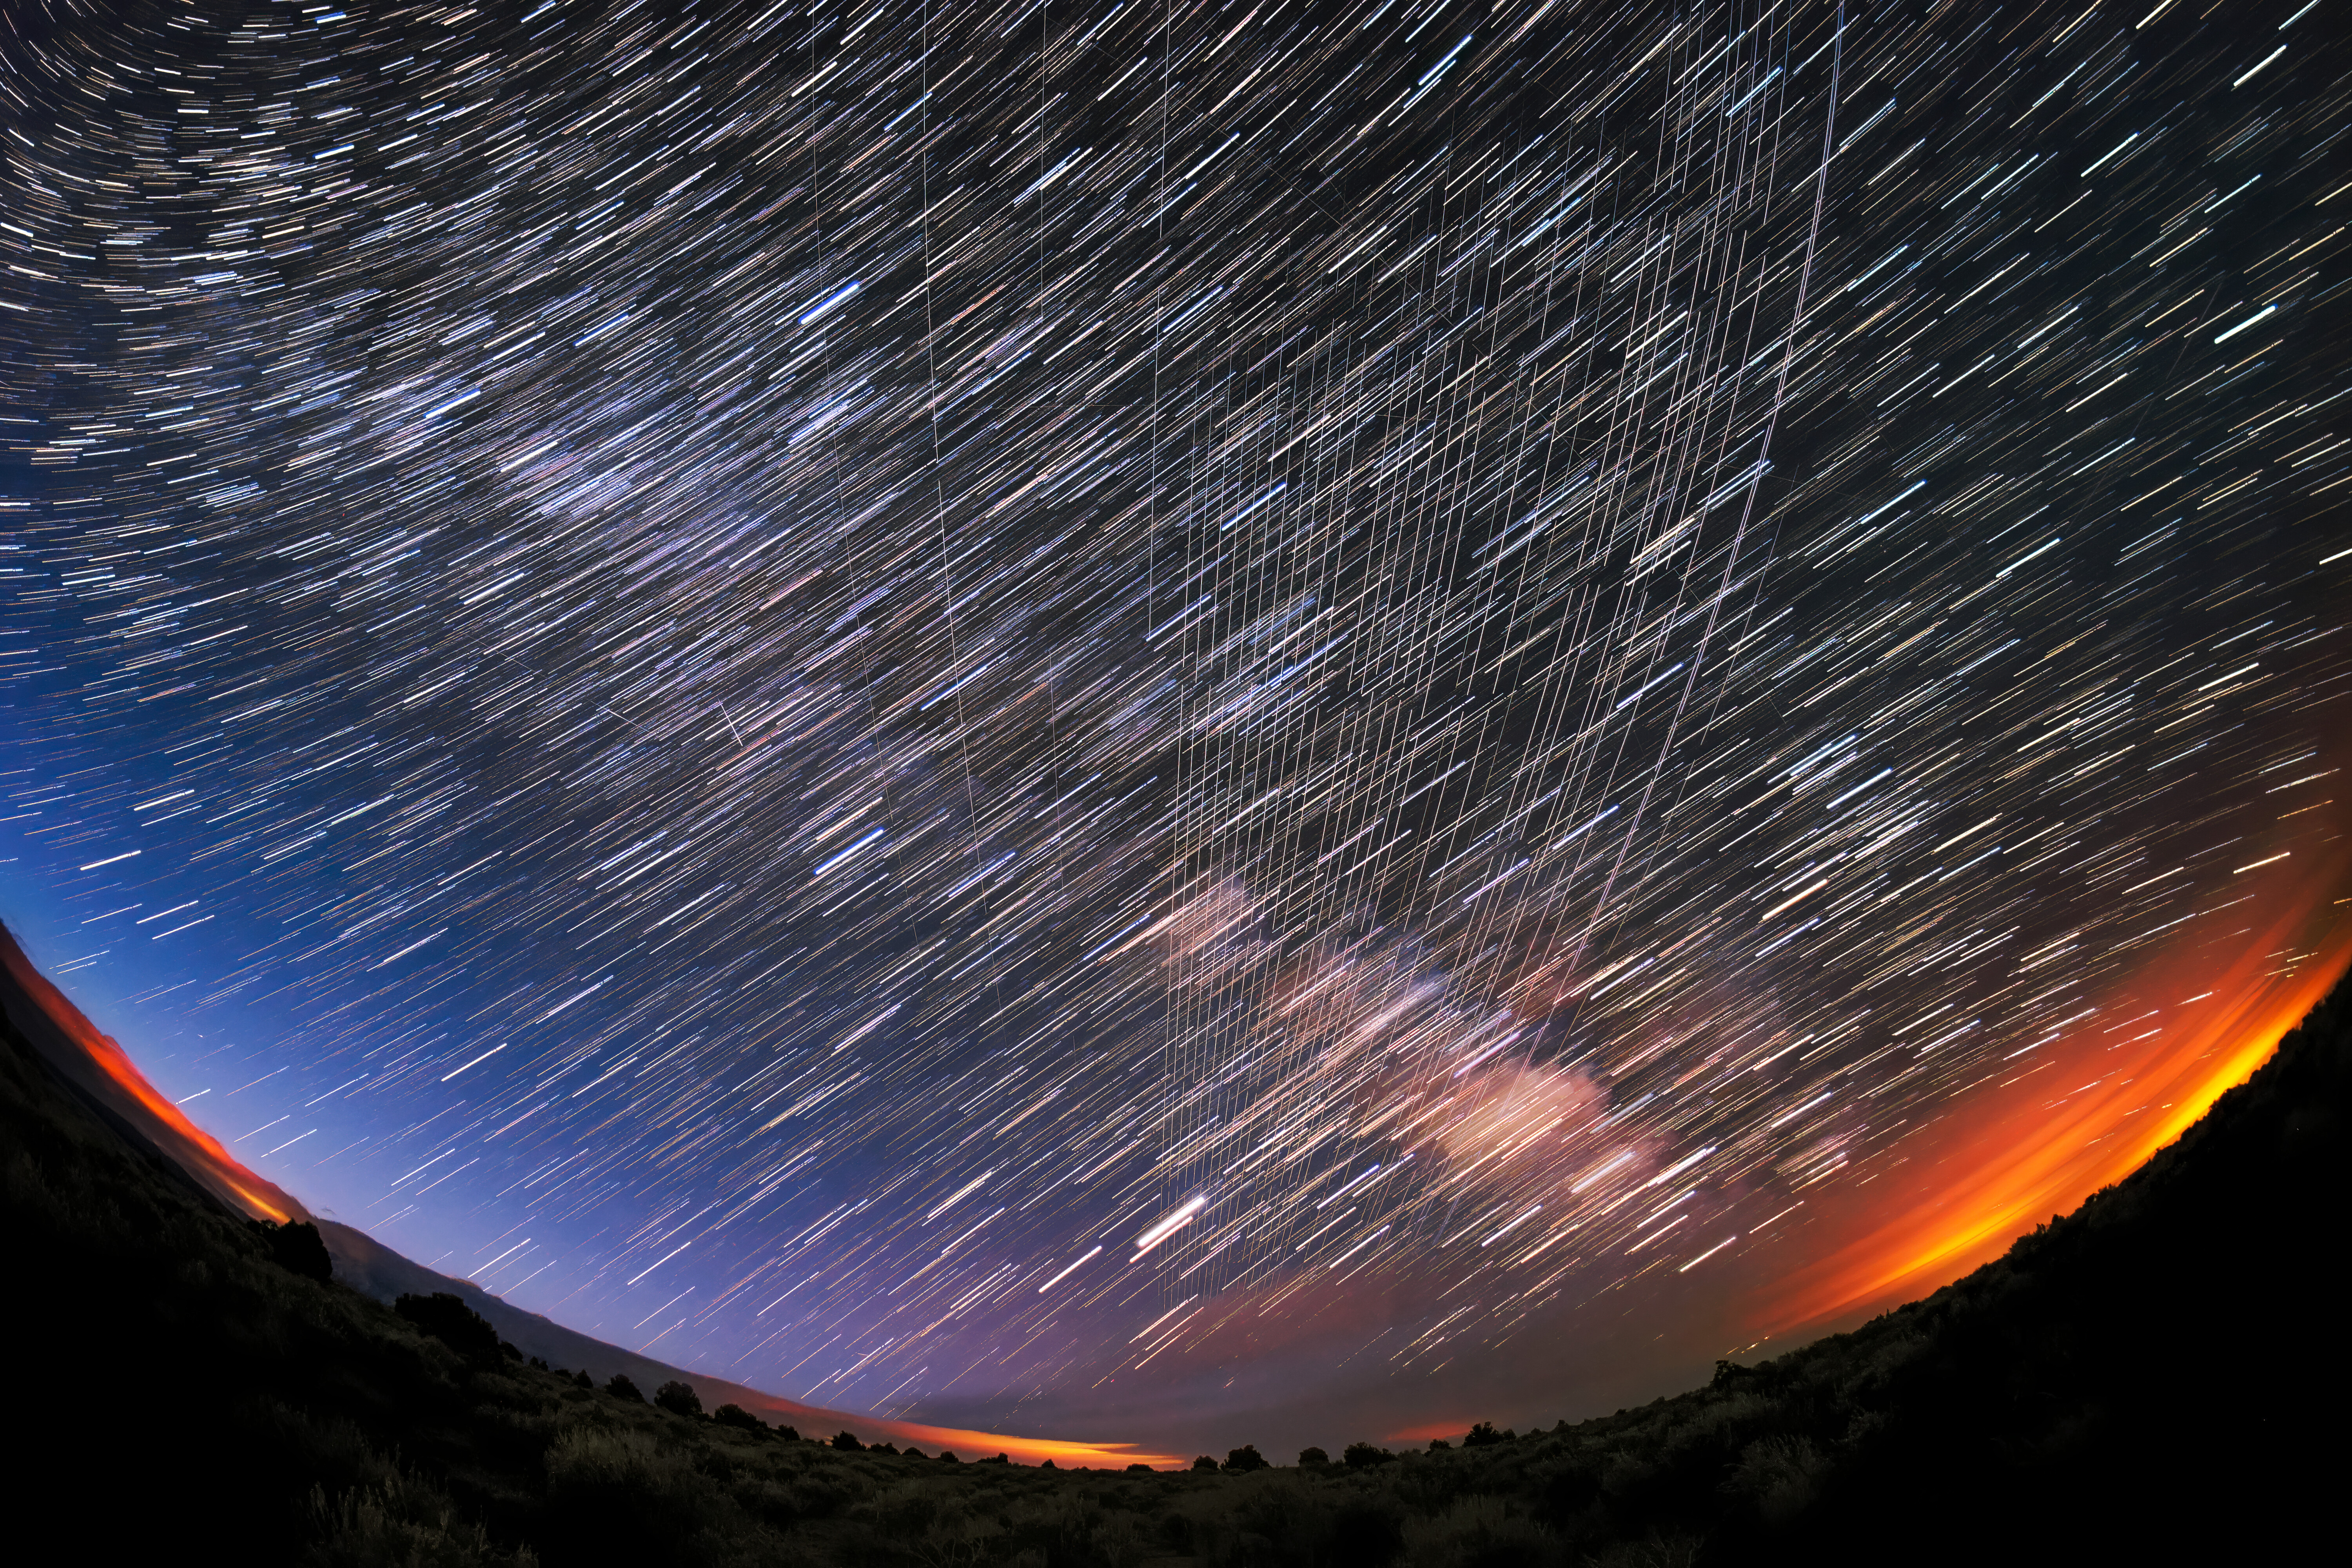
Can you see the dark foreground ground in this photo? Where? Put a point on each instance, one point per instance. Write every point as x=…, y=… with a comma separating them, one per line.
x=2157, y=1378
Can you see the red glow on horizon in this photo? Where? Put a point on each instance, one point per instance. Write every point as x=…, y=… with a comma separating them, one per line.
x=203, y=1157
x=2004, y=1157
x=1030, y=1450
x=2011, y=1157
x=197, y=1152
x=1425, y=1431
x=966, y=1444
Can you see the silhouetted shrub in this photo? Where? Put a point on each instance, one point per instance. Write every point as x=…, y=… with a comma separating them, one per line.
x=1439, y=1445
x=1566, y=1490
x=789, y=1433
x=817, y=1494
x=947, y=1456
x=999, y=1460
x=736, y=1416
x=1365, y=1532
x=1477, y=1531
x=509, y=1351
x=403, y=1520
x=1312, y=1457
x=1204, y=1463
x=1780, y=1473
x=620, y=1387
x=448, y=1319
x=1244, y=1458
x=846, y=1442
x=1176, y=1531
x=1999, y=1410
x=297, y=1248
x=627, y=1497
x=678, y=1398
x=911, y=1451
x=885, y=1448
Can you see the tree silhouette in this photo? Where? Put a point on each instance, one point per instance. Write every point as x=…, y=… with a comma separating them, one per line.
x=1244, y=1458
x=1204, y=1463
x=678, y=1398
x=1313, y=1457
x=448, y=1319
x=846, y=1442
x=297, y=1248
x=620, y=1387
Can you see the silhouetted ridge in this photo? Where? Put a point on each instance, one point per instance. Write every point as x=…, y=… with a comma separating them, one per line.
x=2136, y=1380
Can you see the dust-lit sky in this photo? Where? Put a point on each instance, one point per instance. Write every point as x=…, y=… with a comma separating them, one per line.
x=1087, y=716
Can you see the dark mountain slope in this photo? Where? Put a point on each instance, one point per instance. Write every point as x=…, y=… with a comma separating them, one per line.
x=2156, y=1376
x=2162, y=1368
x=94, y=1070
x=374, y=1269
x=95, y=1073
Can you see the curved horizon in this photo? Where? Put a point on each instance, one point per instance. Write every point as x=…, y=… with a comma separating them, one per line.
x=2013, y=1179
x=108, y=1070
x=1277, y=722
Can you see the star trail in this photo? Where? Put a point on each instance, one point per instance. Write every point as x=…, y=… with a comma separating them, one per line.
x=950, y=707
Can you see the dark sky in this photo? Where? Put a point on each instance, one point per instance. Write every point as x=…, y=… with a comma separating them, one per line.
x=1096, y=716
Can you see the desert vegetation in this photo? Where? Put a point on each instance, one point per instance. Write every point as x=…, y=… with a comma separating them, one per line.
x=2130, y=1377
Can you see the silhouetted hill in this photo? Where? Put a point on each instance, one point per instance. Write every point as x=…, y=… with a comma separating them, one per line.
x=94, y=1072
x=2154, y=1377
x=374, y=1269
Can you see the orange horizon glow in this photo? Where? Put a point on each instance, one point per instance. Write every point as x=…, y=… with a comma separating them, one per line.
x=214, y=1165
x=2023, y=1159
x=203, y=1157
x=1065, y=1454
x=2001, y=1160
x=966, y=1443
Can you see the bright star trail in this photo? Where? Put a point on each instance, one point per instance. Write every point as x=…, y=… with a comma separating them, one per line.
x=1011, y=713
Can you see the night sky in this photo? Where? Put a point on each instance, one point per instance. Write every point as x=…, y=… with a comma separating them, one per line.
x=1093, y=718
